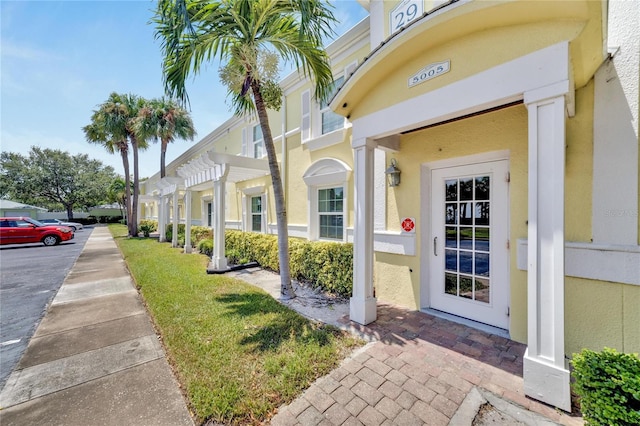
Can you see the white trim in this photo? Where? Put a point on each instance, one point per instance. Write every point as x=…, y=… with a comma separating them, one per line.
x=483, y=157
x=601, y=262
x=305, y=116
x=253, y=190
x=233, y=224
x=327, y=171
x=380, y=191
x=394, y=242
x=324, y=141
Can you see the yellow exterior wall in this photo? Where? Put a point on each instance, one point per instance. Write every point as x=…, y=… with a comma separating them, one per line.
x=299, y=160
x=468, y=55
x=599, y=314
x=579, y=168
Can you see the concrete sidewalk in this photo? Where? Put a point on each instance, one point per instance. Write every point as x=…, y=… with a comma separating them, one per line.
x=95, y=358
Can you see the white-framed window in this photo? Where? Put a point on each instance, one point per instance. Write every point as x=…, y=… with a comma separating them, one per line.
x=331, y=213
x=257, y=142
x=320, y=126
x=254, y=209
x=210, y=214
x=327, y=182
x=330, y=121
x=255, y=205
x=253, y=142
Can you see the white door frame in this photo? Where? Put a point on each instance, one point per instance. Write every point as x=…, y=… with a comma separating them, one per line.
x=426, y=203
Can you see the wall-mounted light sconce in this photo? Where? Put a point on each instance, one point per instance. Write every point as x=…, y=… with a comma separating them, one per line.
x=393, y=173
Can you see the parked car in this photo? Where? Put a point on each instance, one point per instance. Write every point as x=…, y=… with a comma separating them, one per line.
x=22, y=230
x=73, y=225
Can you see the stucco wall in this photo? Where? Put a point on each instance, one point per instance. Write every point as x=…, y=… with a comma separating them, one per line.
x=599, y=314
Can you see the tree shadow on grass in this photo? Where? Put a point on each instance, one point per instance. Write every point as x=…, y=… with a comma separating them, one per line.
x=281, y=328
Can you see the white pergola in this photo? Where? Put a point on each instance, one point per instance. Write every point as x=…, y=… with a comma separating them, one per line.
x=168, y=187
x=217, y=168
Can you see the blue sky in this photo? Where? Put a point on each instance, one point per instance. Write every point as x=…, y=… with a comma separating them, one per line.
x=61, y=59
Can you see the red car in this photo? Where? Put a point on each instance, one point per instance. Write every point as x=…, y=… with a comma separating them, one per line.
x=21, y=230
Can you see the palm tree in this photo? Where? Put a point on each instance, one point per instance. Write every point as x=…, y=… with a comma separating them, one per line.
x=112, y=125
x=108, y=129
x=133, y=105
x=163, y=119
x=249, y=36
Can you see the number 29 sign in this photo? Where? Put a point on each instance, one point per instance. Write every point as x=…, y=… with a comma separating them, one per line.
x=404, y=13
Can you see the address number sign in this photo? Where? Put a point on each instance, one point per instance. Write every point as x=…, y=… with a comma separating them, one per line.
x=405, y=12
x=429, y=72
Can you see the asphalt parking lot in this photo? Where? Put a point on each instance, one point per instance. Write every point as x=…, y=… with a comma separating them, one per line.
x=30, y=276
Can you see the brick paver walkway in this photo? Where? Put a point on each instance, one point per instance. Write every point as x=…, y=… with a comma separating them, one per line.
x=418, y=371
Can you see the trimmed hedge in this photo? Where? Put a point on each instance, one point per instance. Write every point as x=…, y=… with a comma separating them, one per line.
x=152, y=225
x=324, y=265
x=198, y=233
x=608, y=384
x=206, y=247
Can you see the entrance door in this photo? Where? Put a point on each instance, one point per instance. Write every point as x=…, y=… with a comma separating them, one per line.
x=469, y=259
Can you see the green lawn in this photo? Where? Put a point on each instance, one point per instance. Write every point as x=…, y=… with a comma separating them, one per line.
x=238, y=353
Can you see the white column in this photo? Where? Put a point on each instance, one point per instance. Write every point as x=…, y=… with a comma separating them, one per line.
x=362, y=304
x=219, y=260
x=187, y=227
x=138, y=213
x=545, y=376
x=174, y=229
x=162, y=218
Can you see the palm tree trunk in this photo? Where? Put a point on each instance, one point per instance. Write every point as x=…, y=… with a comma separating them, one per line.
x=286, y=289
x=127, y=184
x=133, y=228
x=163, y=155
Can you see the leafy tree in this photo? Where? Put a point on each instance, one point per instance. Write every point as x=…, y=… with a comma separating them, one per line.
x=165, y=120
x=113, y=126
x=55, y=179
x=249, y=37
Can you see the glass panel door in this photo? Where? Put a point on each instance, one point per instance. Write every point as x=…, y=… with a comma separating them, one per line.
x=469, y=262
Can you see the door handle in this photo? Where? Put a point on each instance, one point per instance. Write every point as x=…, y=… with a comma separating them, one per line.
x=435, y=246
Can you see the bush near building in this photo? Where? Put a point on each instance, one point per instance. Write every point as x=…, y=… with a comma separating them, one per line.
x=608, y=384
x=198, y=233
x=321, y=264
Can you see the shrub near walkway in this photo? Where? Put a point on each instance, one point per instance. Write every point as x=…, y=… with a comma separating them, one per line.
x=238, y=353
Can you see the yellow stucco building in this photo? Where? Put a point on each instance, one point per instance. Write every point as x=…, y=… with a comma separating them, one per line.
x=514, y=125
